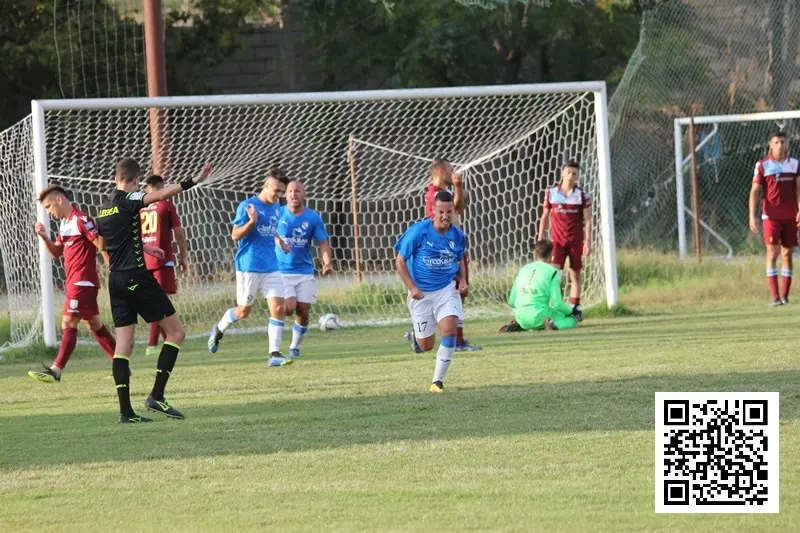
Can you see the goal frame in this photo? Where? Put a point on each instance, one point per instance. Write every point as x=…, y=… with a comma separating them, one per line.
x=682, y=160
x=597, y=88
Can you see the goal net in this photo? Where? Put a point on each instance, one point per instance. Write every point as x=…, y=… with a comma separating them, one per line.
x=365, y=159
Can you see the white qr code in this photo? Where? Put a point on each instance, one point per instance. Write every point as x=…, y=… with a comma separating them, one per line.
x=716, y=452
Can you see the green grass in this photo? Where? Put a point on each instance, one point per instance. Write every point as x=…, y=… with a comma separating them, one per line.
x=537, y=432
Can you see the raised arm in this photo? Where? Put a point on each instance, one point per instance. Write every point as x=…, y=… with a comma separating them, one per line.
x=252, y=219
x=460, y=197
x=55, y=248
x=171, y=190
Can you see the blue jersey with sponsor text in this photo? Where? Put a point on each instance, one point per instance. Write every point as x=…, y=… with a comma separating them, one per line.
x=432, y=257
x=298, y=231
x=256, y=251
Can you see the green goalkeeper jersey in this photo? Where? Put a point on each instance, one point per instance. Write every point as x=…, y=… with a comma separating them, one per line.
x=538, y=286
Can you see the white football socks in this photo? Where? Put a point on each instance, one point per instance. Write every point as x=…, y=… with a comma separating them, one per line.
x=227, y=319
x=443, y=357
x=298, y=332
x=275, y=334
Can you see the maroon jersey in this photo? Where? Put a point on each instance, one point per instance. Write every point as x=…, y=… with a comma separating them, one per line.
x=566, y=214
x=77, y=233
x=779, y=179
x=158, y=221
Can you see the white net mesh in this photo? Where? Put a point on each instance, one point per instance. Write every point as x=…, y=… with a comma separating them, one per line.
x=508, y=148
x=20, y=253
x=99, y=48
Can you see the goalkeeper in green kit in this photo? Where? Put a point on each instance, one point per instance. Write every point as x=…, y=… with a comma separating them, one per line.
x=536, y=296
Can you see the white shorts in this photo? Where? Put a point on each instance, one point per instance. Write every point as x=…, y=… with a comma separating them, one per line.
x=433, y=307
x=249, y=283
x=302, y=287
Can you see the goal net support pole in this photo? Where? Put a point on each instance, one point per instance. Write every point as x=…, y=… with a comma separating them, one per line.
x=606, y=196
x=511, y=142
x=45, y=261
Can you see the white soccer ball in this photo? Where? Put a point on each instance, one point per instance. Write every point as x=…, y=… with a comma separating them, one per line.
x=328, y=322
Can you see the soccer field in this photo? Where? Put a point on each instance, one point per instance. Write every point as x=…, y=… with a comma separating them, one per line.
x=537, y=432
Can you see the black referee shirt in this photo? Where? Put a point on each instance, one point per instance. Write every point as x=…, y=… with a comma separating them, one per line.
x=118, y=223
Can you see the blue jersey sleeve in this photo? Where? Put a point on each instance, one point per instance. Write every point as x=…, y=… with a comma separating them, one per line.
x=241, y=217
x=408, y=243
x=319, y=230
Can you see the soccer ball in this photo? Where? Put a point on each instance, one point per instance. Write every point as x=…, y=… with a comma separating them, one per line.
x=328, y=322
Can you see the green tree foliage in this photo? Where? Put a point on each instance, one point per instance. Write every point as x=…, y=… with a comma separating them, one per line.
x=419, y=43
x=202, y=33
x=40, y=48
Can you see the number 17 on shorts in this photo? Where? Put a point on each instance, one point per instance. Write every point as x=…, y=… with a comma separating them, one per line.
x=716, y=452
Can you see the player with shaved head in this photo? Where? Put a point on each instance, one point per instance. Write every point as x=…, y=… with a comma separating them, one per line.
x=298, y=226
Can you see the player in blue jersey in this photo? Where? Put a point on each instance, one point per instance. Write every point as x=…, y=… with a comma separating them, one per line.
x=429, y=256
x=297, y=227
x=256, y=265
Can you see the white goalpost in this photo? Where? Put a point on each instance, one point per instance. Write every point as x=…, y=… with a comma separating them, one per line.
x=727, y=149
x=364, y=157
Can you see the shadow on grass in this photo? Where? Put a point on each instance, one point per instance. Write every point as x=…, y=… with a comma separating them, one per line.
x=340, y=422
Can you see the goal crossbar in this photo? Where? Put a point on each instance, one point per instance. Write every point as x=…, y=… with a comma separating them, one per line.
x=592, y=93
x=321, y=97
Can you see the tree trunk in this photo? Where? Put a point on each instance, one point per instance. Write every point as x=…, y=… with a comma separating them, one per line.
x=288, y=56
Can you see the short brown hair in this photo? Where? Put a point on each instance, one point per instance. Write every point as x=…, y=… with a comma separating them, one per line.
x=154, y=180
x=276, y=173
x=50, y=190
x=439, y=164
x=543, y=249
x=571, y=164
x=128, y=169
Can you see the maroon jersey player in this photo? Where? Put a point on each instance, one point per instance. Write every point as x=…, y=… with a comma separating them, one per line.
x=160, y=222
x=568, y=208
x=777, y=177
x=77, y=242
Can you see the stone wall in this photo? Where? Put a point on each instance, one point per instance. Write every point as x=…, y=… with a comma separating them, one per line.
x=273, y=60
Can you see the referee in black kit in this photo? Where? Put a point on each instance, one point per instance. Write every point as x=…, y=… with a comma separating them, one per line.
x=133, y=290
